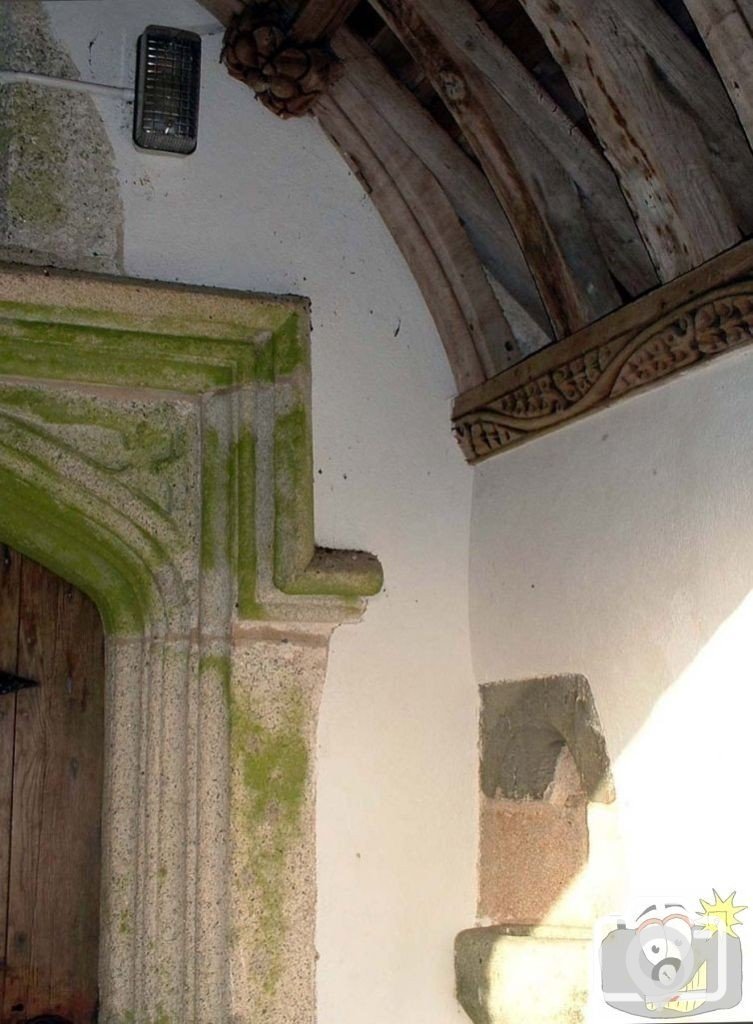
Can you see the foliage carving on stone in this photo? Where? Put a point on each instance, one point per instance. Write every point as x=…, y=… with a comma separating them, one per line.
x=287, y=75
x=144, y=445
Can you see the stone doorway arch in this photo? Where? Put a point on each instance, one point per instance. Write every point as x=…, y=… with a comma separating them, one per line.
x=155, y=450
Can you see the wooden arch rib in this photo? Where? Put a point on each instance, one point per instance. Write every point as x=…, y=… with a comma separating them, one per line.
x=727, y=29
x=461, y=179
x=370, y=117
x=559, y=194
x=477, y=339
x=560, y=198
x=664, y=121
x=533, y=219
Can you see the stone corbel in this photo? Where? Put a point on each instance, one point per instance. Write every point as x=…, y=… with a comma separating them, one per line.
x=547, y=854
x=287, y=72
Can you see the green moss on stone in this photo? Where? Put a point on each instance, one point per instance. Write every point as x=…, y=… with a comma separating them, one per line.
x=272, y=764
x=264, y=363
x=62, y=538
x=36, y=147
x=254, y=317
x=159, y=1016
x=274, y=768
x=299, y=567
x=283, y=353
x=294, y=497
x=243, y=471
x=35, y=345
x=348, y=575
x=289, y=349
x=219, y=665
x=99, y=347
x=143, y=444
x=212, y=494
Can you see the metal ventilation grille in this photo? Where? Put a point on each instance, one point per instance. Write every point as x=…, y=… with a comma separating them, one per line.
x=167, y=90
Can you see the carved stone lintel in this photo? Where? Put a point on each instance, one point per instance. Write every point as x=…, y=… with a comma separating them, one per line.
x=287, y=75
x=674, y=328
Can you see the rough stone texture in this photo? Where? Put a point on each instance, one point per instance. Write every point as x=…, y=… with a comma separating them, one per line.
x=240, y=367
x=525, y=725
x=530, y=851
x=529, y=854
x=59, y=198
x=274, y=701
x=507, y=975
x=549, y=837
x=599, y=886
x=141, y=458
x=68, y=443
x=547, y=864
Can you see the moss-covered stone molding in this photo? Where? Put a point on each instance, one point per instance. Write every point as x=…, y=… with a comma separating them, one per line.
x=155, y=450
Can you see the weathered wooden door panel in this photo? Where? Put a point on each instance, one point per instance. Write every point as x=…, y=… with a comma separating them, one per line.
x=10, y=574
x=53, y=787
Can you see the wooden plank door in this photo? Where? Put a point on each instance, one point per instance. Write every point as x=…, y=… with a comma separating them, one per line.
x=51, y=766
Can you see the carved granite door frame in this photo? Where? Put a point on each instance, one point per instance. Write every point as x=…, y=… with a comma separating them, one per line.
x=155, y=450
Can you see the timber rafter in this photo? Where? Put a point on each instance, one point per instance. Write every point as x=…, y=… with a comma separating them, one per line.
x=540, y=165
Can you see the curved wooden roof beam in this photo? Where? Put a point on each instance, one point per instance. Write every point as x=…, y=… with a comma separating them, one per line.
x=476, y=337
x=540, y=198
x=664, y=121
x=465, y=185
x=415, y=206
x=727, y=30
x=559, y=194
x=320, y=19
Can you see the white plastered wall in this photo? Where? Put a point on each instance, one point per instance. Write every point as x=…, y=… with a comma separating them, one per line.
x=270, y=206
x=621, y=547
